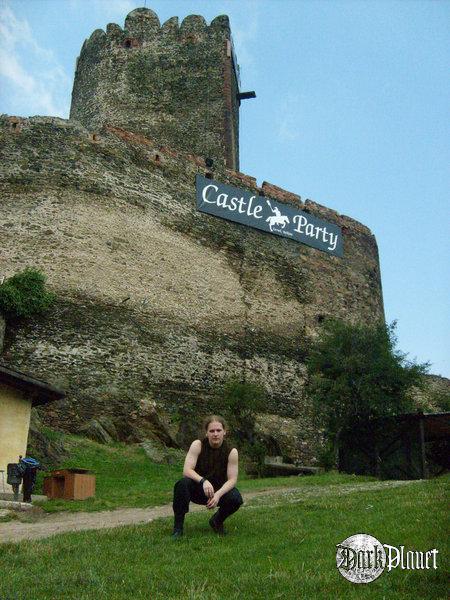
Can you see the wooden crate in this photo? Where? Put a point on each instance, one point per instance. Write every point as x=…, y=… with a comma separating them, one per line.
x=70, y=484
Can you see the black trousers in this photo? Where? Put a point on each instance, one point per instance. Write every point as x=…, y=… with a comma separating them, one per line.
x=187, y=490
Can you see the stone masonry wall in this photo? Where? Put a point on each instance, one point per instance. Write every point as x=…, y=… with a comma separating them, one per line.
x=158, y=302
x=173, y=83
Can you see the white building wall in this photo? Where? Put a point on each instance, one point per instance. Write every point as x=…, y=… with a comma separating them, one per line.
x=15, y=413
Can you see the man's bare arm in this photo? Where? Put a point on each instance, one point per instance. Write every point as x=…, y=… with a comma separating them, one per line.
x=232, y=474
x=190, y=463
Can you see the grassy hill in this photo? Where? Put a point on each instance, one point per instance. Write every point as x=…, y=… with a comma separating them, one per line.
x=126, y=477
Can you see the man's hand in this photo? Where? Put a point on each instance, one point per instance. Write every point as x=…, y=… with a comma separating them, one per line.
x=208, y=489
x=214, y=501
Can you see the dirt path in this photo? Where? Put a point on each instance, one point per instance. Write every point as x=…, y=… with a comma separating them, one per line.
x=55, y=523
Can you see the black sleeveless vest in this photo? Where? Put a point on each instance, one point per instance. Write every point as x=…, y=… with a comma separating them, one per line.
x=212, y=463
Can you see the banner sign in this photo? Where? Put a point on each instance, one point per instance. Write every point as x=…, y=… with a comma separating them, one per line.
x=241, y=206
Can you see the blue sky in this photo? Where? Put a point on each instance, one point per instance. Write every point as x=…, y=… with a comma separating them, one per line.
x=351, y=111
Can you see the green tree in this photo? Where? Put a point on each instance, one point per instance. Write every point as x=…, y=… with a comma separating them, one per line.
x=24, y=294
x=242, y=400
x=356, y=373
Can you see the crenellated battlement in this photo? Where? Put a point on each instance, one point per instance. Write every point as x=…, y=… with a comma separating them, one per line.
x=174, y=82
x=142, y=25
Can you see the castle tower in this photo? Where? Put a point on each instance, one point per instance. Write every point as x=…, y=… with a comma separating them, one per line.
x=175, y=84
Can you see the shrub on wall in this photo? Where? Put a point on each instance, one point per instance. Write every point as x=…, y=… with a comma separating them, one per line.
x=24, y=294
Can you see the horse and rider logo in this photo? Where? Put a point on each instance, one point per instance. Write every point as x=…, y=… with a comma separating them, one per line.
x=277, y=218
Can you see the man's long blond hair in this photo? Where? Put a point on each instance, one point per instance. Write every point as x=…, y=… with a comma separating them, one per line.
x=210, y=418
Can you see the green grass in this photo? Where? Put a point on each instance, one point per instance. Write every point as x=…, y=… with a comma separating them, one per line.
x=125, y=477
x=286, y=551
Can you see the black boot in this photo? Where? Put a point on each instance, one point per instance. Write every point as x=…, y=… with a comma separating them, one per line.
x=216, y=525
x=178, y=527
x=177, y=534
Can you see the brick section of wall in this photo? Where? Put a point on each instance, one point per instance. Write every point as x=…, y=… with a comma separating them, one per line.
x=231, y=113
x=135, y=138
x=273, y=191
x=241, y=178
x=129, y=136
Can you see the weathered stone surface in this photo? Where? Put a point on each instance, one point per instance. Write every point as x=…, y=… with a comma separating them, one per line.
x=95, y=431
x=142, y=22
x=160, y=454
x=158, y=305
x=435, y=394
x=290, y=438
x=172, y=79
x=107, y=424
x=152, y=420
x=156, y=300
x=49, y=452
x=2, y=332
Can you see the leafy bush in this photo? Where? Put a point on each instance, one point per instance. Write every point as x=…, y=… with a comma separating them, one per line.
x=242, y=400
x=24, y=294
x=356, y=373
x=256, y=452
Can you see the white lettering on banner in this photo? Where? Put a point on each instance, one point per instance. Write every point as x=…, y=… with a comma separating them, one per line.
x=314, y=231
x=205, y=199
x=281, y=220
x=223, y=201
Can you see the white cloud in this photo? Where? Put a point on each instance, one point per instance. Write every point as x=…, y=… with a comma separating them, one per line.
x=244, y=38
x=40, y=88
x=288, y=118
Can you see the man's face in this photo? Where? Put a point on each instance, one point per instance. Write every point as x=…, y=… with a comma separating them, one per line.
x=215, y=434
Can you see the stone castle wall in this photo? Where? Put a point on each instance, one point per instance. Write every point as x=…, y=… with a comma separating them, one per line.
x=174, y=83
x=158, y=302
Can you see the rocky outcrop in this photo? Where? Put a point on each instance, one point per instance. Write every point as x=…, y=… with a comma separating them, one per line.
x=434, y=396
x=43, y=445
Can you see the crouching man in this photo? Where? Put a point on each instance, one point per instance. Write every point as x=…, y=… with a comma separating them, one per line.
x=209, y=477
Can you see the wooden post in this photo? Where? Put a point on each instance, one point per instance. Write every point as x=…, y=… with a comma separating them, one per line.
x=422, y=449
